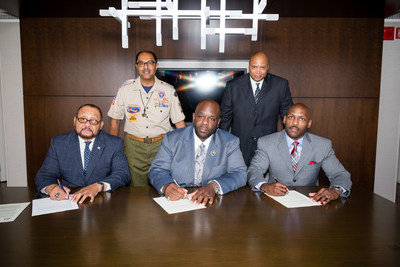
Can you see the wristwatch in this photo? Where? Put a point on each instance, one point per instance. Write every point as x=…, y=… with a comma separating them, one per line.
x=216, y=185
x=338, y=189
x=102, y=186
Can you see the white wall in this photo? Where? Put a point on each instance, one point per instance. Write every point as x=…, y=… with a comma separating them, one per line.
x=12, y=136
x=388, y=143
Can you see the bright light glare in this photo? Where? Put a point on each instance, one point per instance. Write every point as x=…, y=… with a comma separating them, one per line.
x=206, y=82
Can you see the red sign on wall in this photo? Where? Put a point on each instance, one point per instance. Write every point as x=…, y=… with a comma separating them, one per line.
x=397, y=33
x=388, y=33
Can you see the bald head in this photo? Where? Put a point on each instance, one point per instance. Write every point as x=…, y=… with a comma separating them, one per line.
x=297, y=121
x=258, y=66
x=211, y=104
x=206, y=118
x=302, y=107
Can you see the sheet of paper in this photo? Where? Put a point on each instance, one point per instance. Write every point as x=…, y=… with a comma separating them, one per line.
x=294, y=199
x=177, y=206
x=46, y=205
x=9, y=212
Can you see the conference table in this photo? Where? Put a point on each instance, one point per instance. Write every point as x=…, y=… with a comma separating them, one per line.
x=127, y=227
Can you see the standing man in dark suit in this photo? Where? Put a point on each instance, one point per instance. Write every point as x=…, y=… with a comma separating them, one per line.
x=294, y=157
x=86, y=157
x=252, y=103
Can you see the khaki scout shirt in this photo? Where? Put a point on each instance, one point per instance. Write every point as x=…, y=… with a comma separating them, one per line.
x=161, y=104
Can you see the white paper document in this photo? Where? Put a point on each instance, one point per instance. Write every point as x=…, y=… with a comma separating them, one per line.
x=46, y=205
x=177, y=206
x=9, y=212
x=294, y=199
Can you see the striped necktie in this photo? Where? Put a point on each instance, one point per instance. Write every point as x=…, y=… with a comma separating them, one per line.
x=294, y=156
x=257, y=92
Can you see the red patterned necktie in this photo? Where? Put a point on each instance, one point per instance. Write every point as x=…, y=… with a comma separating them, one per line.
x=294, y=156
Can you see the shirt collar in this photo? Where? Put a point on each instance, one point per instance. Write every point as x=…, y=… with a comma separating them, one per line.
x=254, y=83
x=198, y=142
x=82, y=142
x=290, y=141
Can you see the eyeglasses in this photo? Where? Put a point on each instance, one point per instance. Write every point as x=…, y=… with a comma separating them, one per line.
x=149, y=63
x=91, y=122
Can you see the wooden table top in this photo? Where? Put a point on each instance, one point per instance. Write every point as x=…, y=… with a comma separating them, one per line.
x=128, y=227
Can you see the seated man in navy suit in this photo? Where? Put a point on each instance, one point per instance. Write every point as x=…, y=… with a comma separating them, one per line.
x=199, y=155
x=294, y=157
x=86, y=157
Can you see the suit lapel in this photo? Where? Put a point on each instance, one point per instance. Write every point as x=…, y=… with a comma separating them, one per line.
x=73, y=146
x=284, y=151
x=97, y=150
x=305, y=153
x=264, y=89
x=190, y=154
x=212, y=151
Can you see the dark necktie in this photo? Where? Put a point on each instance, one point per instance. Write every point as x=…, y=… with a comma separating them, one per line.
x=294, y=156
x=86, y=156
x=257, y=92
x=198, y=167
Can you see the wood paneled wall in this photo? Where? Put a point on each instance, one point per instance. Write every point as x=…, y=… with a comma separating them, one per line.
x=332, y=64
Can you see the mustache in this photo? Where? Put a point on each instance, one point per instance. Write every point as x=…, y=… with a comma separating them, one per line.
x=294, y=127
x=86, y=128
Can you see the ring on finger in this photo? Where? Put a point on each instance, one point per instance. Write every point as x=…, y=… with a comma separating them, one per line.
x=57, y=195
x=326, y=195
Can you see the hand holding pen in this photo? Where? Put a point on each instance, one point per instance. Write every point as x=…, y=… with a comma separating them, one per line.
x=64, y=194
x=174, y=192
x=275, y=189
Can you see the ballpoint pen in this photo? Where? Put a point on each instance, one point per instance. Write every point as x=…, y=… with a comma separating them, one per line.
x=60, y=184
x=276, y=180
x=185, y=196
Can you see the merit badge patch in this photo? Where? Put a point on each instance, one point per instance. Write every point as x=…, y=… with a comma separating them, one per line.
x=132, y=109
x=161, y=94
x=132, y=117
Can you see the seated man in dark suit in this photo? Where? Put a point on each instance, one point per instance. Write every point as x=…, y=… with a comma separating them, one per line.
x=199, y=155
x=86, y=157
x=294, y=157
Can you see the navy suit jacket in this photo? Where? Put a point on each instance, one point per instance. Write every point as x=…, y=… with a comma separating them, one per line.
x=249, y=121
x=176, y=159
x=107, y=162
x=273, y=155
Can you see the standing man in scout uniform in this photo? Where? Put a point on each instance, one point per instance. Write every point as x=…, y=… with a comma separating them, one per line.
x=147, y=105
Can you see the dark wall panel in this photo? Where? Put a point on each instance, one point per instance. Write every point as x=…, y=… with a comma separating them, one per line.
x=188, y=45
x=334, y=57
x=74, y=56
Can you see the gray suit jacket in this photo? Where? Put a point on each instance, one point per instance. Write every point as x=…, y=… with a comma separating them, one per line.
x=176, y=159
x=273, y=154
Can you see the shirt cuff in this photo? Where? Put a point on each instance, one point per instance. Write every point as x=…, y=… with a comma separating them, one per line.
x=219, y=188
x=107, y=186
x=344, y=192
x=258, y=186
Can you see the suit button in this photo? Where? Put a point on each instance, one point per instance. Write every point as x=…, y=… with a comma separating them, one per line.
x=294, y=180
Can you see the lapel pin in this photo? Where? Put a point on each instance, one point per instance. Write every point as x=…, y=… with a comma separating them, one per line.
x=212, y=152
x=98, y=147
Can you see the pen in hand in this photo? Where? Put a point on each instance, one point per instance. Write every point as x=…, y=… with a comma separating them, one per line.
x=276, y=180
x=60, y=184
x=185, y=196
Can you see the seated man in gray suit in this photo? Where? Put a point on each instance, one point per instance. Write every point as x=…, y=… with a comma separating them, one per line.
x=294, y=158
x=199, y=155
x=86, y=157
